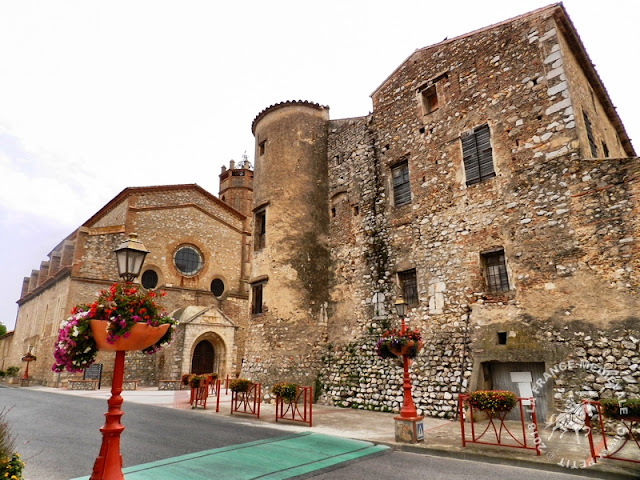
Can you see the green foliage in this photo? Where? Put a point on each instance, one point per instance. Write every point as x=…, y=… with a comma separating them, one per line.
x=3, y=329
x=239, y=385
x=621, y=409
x=12, y=371
x=492, y=401
x=317, y=390
x=286, y=391
x=11, y=467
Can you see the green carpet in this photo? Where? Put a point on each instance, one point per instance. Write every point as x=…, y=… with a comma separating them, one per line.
x=273, y=459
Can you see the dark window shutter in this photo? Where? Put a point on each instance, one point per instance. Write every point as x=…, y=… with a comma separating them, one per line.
x=477, y=154
x=401, y=185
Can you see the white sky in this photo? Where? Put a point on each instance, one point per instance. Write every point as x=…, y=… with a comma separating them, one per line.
x=96, y=96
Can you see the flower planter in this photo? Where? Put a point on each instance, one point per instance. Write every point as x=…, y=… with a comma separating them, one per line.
x=406, y=348
x=140, y=337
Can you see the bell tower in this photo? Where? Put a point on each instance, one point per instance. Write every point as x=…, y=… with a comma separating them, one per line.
x=236, y=186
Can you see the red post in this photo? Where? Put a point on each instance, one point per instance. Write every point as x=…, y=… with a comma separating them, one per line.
x=408, y=410
x=26, y=372
x=108, y=464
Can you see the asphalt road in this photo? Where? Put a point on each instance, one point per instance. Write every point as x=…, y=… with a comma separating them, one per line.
x=58, y=436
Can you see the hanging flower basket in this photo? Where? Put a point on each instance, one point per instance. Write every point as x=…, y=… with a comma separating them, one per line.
x=396, y=343
x=122, y=318
x=492, y=401
x=140, y=336
x=628, y=409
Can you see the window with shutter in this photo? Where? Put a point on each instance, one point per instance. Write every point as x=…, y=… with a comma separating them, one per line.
x=477, y=154
x=401, y=186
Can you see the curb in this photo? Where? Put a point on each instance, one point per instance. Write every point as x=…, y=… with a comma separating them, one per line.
x=494, y=458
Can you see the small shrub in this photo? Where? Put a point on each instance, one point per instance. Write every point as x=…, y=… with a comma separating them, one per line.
x=619, y=410
x=286, y=391
x=196, y=380
x=10, y=464
x=239, y=385
x=12, y=371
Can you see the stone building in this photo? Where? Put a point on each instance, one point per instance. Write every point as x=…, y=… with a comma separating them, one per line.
x=493, y=185
x=199, y=252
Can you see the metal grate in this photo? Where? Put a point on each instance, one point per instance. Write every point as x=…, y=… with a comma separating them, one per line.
x=496, y=271
x=409, y=285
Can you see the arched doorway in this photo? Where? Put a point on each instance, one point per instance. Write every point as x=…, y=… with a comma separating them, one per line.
x=203, y=358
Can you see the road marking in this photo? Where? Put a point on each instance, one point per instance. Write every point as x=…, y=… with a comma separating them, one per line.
x=273, y=459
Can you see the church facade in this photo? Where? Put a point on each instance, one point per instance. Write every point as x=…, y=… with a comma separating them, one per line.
x=493, y=186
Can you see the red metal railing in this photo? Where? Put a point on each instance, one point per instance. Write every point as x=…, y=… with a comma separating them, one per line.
x=496, y=427
x=626, y=435
x=247, y=402
x=199, y=395
x=300, y=409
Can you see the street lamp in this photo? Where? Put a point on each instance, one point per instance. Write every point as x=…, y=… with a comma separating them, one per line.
x=108, y=465
x=130, y=256
x=408, y=409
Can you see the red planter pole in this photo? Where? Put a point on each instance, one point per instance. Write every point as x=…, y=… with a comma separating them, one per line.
x=408, y=410
x=108, y=465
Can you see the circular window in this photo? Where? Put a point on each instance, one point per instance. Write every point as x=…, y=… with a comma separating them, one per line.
x=217, y=287
x=187, y=260
x=149, y=279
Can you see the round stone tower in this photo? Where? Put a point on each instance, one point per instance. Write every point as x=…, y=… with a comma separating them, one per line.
x=290, y=258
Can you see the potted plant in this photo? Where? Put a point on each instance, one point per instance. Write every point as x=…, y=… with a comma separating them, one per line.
x=286, y=391
x=492, y=401
x=240, y=385
x=185, y=379
x=115, y=321
x=197, y=381
x=396, y=343
x=628, y=409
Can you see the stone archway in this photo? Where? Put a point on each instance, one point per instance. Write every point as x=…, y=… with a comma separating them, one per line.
x=203, y=358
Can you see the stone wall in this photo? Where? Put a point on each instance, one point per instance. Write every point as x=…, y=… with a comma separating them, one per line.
x=567, y=225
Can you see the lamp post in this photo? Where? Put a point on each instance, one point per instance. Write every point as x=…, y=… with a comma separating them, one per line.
x=28, y=358
x=130, y=256
x=408, y=409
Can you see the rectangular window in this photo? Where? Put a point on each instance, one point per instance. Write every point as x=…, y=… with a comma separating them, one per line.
x=401, y=187
x=495, y=269
x=605, y=150
x=261, y=146
x=409, y=286
x=256, y=298
x=260, y=229
x=429, y=97
x=592, y=143
x=477, y=154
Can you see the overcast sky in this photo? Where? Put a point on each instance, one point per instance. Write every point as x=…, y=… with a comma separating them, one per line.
x=96, y=96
